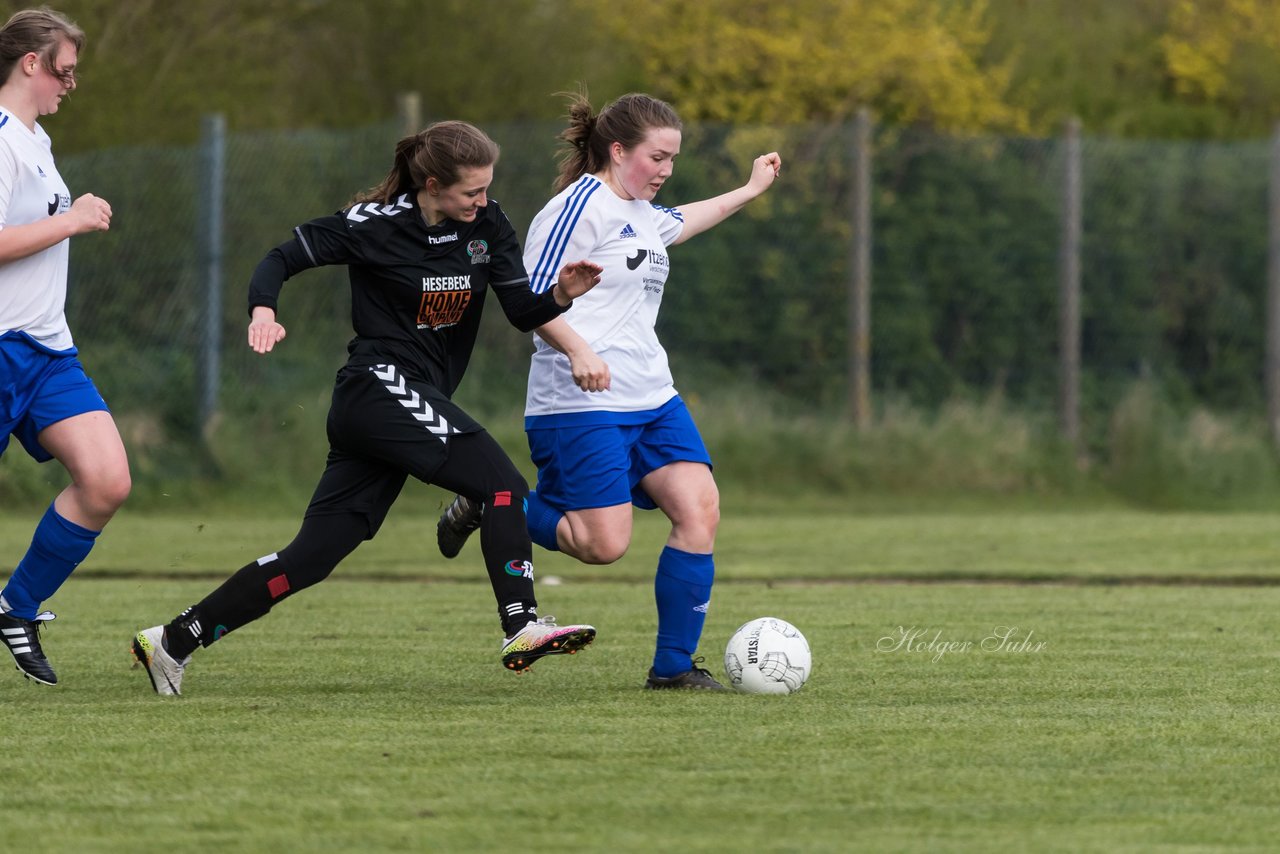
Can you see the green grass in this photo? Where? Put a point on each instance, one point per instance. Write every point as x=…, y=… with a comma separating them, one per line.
x=371, y=713
x=756, y=541
x=270, y=445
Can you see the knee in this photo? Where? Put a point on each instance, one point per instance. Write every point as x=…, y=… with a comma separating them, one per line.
x=511, y=491
x=508, y=487
x=701, y=522
x=103, y=492
x=709, y=516
x=602, y=549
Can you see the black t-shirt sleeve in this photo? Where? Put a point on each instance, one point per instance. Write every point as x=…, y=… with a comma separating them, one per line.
x=318, y=243
x=510, y=282
x=525, y=309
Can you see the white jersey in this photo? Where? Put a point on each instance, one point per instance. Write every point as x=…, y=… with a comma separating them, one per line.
x=628, y=238
x=33, y=290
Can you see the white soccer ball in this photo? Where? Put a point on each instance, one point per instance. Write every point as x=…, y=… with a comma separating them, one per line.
x=767, y=656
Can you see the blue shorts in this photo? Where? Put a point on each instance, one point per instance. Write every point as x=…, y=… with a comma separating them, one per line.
x=585, y=466
x=39, y=387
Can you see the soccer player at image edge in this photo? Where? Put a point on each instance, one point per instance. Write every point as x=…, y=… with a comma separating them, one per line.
x=46, y=399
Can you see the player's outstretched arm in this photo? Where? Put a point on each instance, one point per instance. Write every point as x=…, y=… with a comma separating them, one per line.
x=700, y=216
x=264, y=332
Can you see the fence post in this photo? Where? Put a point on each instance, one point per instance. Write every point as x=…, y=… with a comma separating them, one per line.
x=859, y=297
x=1069, y=288
x=213, y=133
x=409, y=108
x=1273, y=292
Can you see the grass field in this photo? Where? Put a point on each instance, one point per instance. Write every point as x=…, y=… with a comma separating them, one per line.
x=1124, y=712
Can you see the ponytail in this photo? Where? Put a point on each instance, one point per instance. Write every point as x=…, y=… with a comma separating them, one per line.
x=587, y=139
x=399, y=180
x=441, y=151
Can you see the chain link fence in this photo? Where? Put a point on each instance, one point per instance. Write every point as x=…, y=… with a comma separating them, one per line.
x=965, y=253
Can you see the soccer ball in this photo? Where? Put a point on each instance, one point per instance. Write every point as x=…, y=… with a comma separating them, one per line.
x=767, y=656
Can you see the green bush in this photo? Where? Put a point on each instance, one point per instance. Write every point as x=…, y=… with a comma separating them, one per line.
x=269, y=447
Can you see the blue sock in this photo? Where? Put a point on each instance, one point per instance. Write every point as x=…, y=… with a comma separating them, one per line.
x=542, y=519
x=682, y=589
x=56, y=550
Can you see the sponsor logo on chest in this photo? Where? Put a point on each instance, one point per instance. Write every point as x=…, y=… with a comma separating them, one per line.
x=444, y=300
x=654, y=277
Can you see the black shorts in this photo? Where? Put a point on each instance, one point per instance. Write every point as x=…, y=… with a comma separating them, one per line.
x=382, y=428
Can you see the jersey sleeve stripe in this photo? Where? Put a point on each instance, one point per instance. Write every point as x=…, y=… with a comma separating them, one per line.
x=306, y=247
x=674, y=212
x=553, y=251
x=511, y=281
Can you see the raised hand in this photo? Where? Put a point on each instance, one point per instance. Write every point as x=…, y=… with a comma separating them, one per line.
x=576, y=279
x=764, y=169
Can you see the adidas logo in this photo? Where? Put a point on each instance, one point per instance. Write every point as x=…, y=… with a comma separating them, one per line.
x=703, y=608
x=627, y=231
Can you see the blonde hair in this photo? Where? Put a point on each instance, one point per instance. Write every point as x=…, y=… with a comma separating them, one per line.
x=440, y=151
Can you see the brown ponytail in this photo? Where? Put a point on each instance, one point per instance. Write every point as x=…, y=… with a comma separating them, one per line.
x=587, y=139
x=441, y=151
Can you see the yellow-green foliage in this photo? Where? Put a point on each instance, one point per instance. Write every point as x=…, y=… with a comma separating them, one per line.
x=910, y=60
x=1219, y=51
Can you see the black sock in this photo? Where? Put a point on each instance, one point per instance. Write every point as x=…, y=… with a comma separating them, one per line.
x=516, y=615
x=182, y=636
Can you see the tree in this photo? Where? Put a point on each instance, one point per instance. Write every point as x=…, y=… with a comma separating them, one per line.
x=1183, y=69
x=152, y=68
x=911, y=61
x=1227, y=53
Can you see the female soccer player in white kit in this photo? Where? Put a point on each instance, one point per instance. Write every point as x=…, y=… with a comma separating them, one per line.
x=606, y=427
x=46, y=400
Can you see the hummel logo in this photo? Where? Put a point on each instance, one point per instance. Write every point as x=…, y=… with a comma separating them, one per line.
x=627, y=231
x=637, y=259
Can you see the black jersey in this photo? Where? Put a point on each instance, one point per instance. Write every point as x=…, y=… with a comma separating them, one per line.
x=417, y=291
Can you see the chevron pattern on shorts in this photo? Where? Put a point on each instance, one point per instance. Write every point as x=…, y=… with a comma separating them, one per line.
x=417, y=405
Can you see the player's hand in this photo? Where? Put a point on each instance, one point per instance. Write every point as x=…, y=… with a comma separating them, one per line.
x=576, y=279
x=264, y=332
x=764, y=169
x=90, y=213
x=590, y=373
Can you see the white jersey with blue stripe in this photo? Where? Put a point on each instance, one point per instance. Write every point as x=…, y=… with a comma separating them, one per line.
x=628, y=238
x=33, y=290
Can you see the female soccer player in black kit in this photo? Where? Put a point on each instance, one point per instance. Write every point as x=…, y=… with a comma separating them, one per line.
x=421, y=249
